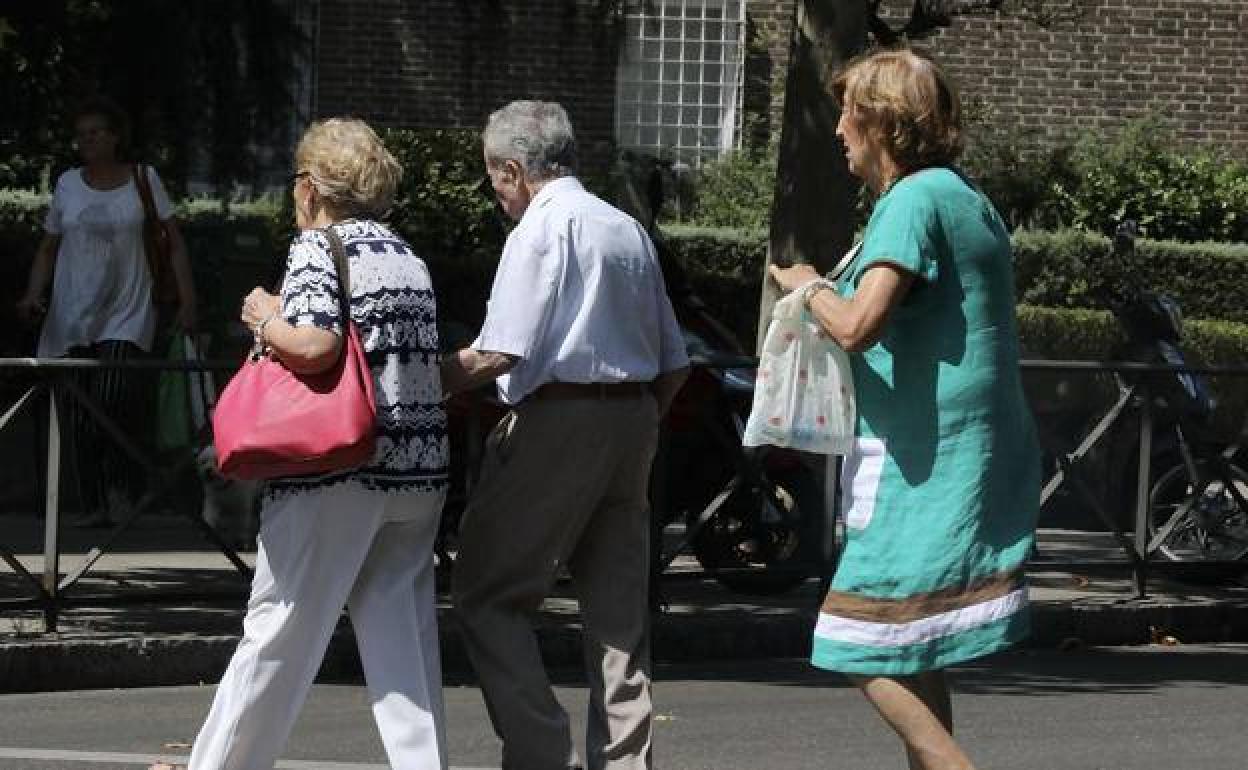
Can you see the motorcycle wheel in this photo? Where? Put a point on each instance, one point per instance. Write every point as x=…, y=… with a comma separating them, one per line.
x=751, y=548
x=1214, y=528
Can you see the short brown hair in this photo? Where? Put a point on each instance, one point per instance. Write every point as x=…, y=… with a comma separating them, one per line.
x=350, y=166
x=906, y=103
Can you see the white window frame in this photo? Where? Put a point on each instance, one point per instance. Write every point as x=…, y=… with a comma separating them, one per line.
x=680, y=78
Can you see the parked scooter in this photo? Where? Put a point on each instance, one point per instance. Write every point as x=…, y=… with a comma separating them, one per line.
x=1198, y=501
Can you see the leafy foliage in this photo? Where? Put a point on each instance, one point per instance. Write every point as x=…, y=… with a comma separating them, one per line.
x=735, y=190
x=1172, y=191
x=444, y=206
x=205, y=82
x=445, y=209
x=1019, y=172
x=1142, y=172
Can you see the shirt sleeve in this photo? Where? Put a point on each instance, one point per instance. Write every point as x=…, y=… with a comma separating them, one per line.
x=673, y=352
x=310, y=287
x=53, y=222
x=164, y=208
x=523, y=296
x=903, y=231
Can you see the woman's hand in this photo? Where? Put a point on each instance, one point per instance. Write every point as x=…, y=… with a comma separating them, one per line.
x=789, y=278
x=187, y=319
x=31, y=309
x=259, y=306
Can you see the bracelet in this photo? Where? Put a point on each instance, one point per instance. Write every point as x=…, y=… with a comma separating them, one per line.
x=813, y=288
x=259, y=330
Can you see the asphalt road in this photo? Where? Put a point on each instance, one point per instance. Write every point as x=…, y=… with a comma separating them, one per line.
x=1117, y=709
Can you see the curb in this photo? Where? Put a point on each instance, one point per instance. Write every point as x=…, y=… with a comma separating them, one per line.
x=678, y=637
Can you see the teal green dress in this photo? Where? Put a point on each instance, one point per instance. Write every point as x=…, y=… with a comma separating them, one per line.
x=941, y=491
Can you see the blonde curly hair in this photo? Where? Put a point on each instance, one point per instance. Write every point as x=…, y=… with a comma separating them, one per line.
x=906, y=104
x=349, y=166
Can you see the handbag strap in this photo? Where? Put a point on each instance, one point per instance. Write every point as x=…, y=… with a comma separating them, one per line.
x=145, y=192
x=344, y=275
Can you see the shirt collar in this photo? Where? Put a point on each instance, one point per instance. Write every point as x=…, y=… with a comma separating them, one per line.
x=552, y=188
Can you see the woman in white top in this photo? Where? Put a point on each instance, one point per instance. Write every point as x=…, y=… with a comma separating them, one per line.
x=101, y=304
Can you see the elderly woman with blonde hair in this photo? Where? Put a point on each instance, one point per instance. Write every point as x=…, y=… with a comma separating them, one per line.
x=942, y=488
x=361, y=538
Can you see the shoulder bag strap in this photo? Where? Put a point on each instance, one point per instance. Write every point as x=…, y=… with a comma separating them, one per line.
x=344, y=275
x=145, y=192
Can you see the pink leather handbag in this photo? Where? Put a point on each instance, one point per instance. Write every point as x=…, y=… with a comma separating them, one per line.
x=271, y=422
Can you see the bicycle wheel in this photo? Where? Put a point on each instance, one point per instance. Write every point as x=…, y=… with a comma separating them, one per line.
x=1212, y=525
x=757, y=543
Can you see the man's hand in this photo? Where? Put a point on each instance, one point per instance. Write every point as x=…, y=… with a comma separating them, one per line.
x=469, y=368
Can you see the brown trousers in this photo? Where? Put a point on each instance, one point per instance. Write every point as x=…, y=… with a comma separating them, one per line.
x=564, y=482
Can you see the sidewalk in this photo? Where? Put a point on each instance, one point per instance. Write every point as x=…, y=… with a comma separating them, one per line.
x=189, y=639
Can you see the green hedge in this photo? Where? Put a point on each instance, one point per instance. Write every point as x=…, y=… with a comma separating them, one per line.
x=1077, y=334
x=1052, y=269
x=1056, y=269
x=243, y=246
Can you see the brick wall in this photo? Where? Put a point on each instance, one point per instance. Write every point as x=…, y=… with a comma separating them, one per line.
x=1182, y=59
x=449, y=63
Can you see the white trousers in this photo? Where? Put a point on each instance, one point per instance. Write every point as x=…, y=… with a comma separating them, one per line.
x=318, y=551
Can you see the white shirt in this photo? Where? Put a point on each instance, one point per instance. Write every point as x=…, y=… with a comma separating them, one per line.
x=579, y=297
x=102, y=289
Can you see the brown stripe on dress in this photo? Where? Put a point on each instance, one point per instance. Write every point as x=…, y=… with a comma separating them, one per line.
x=918, y=606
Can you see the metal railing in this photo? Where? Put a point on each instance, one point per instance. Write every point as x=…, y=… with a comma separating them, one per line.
x=55, y=382
x=54, y=377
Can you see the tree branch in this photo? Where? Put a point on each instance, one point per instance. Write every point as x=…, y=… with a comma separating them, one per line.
x=928, y=16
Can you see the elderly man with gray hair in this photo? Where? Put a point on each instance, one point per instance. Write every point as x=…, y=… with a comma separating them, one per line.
x=583, y=343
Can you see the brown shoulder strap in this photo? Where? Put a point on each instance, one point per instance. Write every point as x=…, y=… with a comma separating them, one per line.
x=145, y=192
x=344, y=274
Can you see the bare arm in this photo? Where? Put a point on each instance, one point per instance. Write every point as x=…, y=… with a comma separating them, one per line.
x=188, y=317
x=31, y=306
x=468, y=369
x=302, y=349
x=856, y=323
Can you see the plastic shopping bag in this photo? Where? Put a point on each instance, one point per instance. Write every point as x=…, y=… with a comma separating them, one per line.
x=184, y=399
x=804, y=391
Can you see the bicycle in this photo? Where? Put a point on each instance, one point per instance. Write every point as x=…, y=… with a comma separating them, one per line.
x=1198, y=499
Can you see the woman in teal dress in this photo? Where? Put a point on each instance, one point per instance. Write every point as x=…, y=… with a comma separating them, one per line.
x=942, y=489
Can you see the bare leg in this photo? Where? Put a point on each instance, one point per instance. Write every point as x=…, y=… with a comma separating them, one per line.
x=918, y=709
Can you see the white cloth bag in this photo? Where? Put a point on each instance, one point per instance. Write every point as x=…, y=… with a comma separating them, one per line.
x=804, y=390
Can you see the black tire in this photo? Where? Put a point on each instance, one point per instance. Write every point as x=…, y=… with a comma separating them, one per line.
x=1215, y=527
x=750, y=548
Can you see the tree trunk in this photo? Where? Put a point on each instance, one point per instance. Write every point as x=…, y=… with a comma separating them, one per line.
x=814, y=197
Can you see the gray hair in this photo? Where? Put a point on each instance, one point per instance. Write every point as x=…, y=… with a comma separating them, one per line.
x=537, y=135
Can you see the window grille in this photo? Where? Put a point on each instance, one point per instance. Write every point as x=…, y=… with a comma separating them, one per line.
x=678, y=91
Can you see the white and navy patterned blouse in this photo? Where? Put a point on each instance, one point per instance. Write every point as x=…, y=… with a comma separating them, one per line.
x=393, y=306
